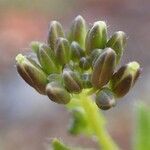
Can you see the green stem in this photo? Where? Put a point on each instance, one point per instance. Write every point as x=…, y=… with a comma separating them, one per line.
x=96, y=122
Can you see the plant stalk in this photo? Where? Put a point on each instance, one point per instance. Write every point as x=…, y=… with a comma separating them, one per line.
x=96, y=122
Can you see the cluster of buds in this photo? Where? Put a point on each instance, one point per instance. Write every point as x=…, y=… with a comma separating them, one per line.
x=83, y=58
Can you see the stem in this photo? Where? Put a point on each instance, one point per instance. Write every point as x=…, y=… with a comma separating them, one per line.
x=96, y=122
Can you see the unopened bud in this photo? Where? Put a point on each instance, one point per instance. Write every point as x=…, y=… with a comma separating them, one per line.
x=103, y=68
x=31, y=72
x=47, y=59
x=35, y=46
x=55, y=77
x=125, y=78
x=62, y=51
x=84, y=63
x=118, y=42
x=94, y=55
x=86, y=80
x=96, y=37
x=55, y=31
x=105, y=99
x=57, y=93
x=76, y=51
x=78, y=31
x=72, y=81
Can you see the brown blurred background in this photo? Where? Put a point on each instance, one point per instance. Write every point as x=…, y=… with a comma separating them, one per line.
x=28, y=121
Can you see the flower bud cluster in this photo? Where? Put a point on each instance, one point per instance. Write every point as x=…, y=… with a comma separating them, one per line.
x=83, y=58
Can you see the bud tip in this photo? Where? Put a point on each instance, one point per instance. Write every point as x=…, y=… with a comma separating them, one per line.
x=20, y=58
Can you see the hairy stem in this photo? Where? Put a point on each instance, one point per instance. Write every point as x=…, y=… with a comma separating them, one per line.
x=96, y=122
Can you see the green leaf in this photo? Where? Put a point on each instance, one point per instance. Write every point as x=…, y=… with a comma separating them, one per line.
x=78, y=122
x=142, y=132
x=58, y=145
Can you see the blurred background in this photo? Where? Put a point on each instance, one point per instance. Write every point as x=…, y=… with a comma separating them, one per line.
x=28, y=121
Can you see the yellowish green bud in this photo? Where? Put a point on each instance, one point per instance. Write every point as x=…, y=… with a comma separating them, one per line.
x=57, y=93
x=62, y=51
x=35, y=46
x=31, y=72
x=78, y=31
x=55, y=77
x=118, y=42
x=76, y=51
x=86, y=80
x=105, y=99
x=96, y=37
x=47, y=59
x=124, y=79
x=94, y=55
x=103, y=68
x=55, y=31
x=84, y=63
x=72, y=81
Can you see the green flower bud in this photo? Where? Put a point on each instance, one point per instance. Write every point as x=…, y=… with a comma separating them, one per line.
x=96, y=37
x=105, y=99
x=72, y=81
x=55, y=77
x=76, y=51
x=78, y=31
x=84, y=63
x=31, y=72
x=57, y=93
x=55, y=31
x=118, y=42
x=103, y=68
x=125, y=78
x=35, y=46
x=94, y=55
x=86, y=80
x=62, y=51
x=47, y=59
